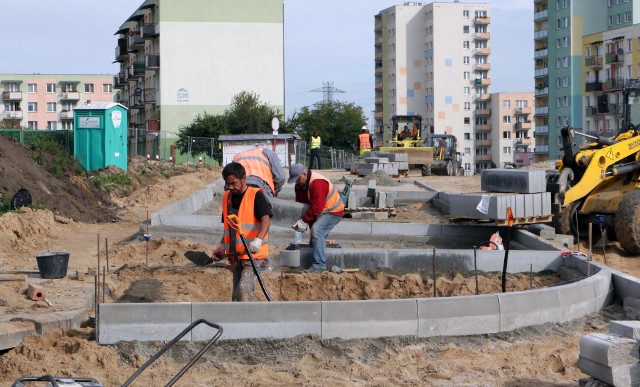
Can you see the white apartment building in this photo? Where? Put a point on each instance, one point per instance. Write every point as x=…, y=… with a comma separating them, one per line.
x=433, y=60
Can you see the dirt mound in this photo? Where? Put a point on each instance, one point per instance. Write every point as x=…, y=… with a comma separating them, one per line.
x=68, y=195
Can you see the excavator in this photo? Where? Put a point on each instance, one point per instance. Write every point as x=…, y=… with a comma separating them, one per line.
x=598, y=180
x=433, y=153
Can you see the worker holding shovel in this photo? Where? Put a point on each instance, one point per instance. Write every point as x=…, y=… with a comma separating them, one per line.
x=253, y=213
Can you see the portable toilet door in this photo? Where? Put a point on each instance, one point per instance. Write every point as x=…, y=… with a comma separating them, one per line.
x=100, y=135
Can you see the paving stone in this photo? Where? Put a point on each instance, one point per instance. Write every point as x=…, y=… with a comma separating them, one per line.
x=513, y=180
x=609, y=349
x=542, y=230
x=620, y=376
x=630, y=328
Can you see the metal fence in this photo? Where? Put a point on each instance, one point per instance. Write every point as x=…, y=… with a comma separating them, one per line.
x=29, y=137
x=330, y=158
x=161, y=145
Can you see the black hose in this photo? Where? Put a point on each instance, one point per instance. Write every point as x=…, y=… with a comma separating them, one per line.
x=255, y=268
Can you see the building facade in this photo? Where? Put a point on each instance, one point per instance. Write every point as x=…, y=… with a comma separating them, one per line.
x=419, y=70
x=512, y=129
x=181, y=59
x=46, y=101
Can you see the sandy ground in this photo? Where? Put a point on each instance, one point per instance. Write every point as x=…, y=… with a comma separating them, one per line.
x=158, y=271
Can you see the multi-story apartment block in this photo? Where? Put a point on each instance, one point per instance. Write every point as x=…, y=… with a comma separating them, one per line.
x=511, y=138
x=179, y=59
x=433, y=60
x=46, y=101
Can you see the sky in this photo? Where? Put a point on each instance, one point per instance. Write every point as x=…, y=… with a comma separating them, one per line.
x=325, y=41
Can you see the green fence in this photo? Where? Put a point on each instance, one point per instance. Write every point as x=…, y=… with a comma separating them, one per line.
x=29, y=137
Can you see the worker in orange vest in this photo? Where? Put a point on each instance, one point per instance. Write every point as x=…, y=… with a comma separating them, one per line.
x=254, y=211
x=364, y=141
x=326, y=209
x=263, y=169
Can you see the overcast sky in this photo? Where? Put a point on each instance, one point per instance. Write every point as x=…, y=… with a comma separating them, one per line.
x=325, y=41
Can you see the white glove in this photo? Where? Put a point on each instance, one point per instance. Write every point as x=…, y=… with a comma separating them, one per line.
x=300, y=226
x=255, y=245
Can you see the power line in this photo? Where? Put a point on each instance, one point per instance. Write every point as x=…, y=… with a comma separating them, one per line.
x=327, y=90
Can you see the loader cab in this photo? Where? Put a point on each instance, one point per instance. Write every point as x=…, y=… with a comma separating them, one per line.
x=406, y=130
x=444, y=145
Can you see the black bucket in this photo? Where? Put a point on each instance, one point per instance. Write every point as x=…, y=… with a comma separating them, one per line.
x=53, y=265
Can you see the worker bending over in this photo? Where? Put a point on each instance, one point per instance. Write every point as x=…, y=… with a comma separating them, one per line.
x=263, y=169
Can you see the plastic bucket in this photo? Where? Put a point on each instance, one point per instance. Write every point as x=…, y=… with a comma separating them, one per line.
x=53, y=265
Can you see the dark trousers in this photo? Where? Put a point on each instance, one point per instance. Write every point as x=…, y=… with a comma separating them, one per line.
x=315, y=153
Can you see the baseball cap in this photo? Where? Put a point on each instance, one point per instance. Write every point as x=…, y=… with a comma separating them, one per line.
x=294, y=171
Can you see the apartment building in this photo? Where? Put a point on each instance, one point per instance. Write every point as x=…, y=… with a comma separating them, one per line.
x=433, y=60
x=179, y=59
x=46, y=101
x=511, y=139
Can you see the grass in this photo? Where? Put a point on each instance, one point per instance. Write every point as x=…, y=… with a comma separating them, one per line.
x=110, y=182
x=61, y=161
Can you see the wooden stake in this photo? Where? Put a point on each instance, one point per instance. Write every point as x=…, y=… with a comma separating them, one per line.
x=475, y=269
x=106, y=253
x=434, y=273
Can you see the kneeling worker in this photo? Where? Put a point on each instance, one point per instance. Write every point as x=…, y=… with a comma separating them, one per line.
x=254, y=211
x=325, y=211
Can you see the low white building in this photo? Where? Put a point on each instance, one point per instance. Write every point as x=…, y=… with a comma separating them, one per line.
x=282, y=144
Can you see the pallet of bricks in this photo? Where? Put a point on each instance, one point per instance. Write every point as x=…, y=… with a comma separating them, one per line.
x=524, y=191
x=393, y=164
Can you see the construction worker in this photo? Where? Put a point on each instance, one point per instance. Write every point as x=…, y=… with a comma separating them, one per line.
x=364, y=140
x=315, y=144
x=254, y=211
x=326, y=209
x=263, y=169
x=405, y=134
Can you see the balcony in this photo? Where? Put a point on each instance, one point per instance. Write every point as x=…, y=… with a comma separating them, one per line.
x=482, y=20
x=135, y=42
x=542, y=130
x=523, y=110
x=483, y=97
x=119, y=81
x=541, y=149
x=593, y=61
x=592, y=86
x=119, y=98
x=540, y=15
x=378, y=86
x=482, y=81
x=149, y=31
x=152, y=61
x=483, y=128
x=483, y=157
x=611, y=57
x=150, y=96
x=153, y=125
x=542, y=72
x=542, y=53
x=481, y=35
x=615, y=109
x=12, y=96
x=12, y=115
x=483, y=112
x=543, y=110
x=542, y=91
x=378, y=70
x=378, y=55
x=482, y=67
x=70, y=96
x=483, y=143
x=121, y=50
x=523, y=125
x=482, y=51
x=66, y=115
x=614, y=84
x=136, y=101
x=523, y=142
x=136, y=70
x=541, y=34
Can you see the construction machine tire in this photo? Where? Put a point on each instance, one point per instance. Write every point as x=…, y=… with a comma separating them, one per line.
x=426, y=169
x=563, y=221
x=626, y=223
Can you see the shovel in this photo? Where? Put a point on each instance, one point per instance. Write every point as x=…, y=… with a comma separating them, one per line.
x=201, y=258
x=234, y=223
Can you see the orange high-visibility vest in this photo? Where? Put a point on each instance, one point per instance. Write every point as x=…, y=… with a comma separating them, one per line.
x=255, y=163
x=250, y=225
x=364, y=141
x=333, y=202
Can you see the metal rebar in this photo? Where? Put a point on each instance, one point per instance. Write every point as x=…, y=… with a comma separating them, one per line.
x=433, y=265
x=475, y=269
x=589, y=256
x=103, y=282
x=531, y=276
x=106, y=252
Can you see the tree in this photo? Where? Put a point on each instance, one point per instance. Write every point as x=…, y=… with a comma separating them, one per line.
x=338, y=123
x=204, y=125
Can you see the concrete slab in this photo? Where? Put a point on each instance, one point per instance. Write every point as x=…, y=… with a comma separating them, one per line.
x=143, y=322
x=609, y=349
x=621, y=376
x=513, y=180
x=245, y=320
x=627, y=328
x=521, y=309
x=373, y=318
x=457, y=316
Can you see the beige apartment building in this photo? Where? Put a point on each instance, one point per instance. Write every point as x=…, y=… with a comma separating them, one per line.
x=511, y=138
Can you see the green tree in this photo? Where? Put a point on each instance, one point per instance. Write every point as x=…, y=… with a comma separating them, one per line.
x=204, y=125
x=338, y=123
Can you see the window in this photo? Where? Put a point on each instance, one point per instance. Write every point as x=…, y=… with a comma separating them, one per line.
x=610, y=22
x=32, y=88
x=467, y=90
x=51, y=87
x=521, y=103
x=32, y=106
x=465, y=29
x=465, y=60
x=506, y=134
x=506, y=104
x=466, y=75
x=51, y=125
x=467, y=121
x=467, y=106
x=467, y=136
x=465, y=14
x=88, y=87
x=467, y=151
x=506, y=150
x=619, y=18
x=68, y=125
x=51, y=106
x=465, y=44
x=627, y=17
x=32, y=125
x=106, y=88
x=506, y=119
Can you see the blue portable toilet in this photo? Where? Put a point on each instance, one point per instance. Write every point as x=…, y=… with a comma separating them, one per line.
x=100, y=135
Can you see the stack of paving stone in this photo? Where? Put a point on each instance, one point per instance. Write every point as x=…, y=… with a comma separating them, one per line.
x=391, y=163
x=524, y=191
x=612, y=357
x=375, y=205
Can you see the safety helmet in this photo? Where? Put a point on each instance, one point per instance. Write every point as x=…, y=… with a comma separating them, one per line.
x=364, y=127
